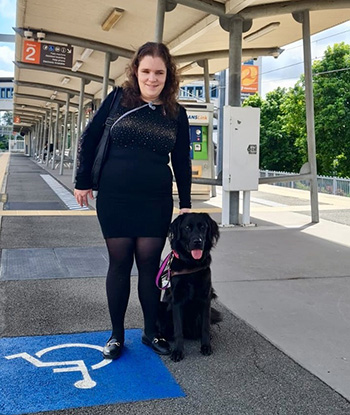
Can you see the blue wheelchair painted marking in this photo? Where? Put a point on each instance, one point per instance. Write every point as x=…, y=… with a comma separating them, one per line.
x=68, y=371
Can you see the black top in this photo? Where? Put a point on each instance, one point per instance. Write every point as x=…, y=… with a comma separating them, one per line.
x=147, y=132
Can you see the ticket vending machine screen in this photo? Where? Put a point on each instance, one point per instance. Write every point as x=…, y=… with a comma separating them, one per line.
x=199, y=142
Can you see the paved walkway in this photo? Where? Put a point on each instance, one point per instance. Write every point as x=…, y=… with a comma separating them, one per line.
x=283, y=287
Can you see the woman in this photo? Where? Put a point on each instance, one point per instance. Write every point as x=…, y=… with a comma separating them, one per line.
x=134, y=202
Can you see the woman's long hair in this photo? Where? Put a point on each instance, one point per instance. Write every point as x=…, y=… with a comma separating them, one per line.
x=132, y=94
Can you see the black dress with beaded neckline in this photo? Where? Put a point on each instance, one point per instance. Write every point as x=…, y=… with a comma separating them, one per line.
x=135, y=188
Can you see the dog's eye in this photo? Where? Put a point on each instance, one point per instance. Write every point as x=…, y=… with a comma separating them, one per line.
x=188, y=228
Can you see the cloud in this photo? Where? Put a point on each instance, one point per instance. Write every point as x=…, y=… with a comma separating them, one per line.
x=7, y=55
x=6, y=74
x=7, y=9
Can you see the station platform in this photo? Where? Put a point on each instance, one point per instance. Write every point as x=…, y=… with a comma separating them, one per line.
x=283, y=287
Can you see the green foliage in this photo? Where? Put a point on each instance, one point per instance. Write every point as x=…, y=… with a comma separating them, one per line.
x=332, y=111
x=4, y=142
x=277, y=148
x=283, y=135
x=7, y=118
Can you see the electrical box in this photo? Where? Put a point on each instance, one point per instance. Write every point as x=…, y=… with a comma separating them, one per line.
x=241, y=148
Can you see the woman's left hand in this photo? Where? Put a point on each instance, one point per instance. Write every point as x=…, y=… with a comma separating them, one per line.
x=184, y=210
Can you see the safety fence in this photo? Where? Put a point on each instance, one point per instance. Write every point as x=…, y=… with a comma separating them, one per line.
x=331, y=185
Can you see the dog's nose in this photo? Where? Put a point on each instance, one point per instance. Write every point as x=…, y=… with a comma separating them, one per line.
x=198, y=241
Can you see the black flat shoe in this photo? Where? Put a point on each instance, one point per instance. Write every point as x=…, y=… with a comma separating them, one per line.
x=157, y=344
x=112, y=349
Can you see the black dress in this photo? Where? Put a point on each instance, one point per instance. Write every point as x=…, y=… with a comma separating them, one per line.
x=135, y=189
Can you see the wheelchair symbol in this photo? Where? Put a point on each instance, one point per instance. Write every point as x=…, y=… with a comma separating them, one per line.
x=68, y=366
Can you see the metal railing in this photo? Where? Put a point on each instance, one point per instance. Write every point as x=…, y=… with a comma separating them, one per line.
x=331, y=185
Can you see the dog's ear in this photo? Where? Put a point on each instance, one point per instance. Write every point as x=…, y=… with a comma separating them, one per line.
x=213, y=230
x=174, y=228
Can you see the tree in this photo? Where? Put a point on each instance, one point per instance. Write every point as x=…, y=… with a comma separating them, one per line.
x=332, y=111
x=7, y=118
x=283, y=137
x=277, y=144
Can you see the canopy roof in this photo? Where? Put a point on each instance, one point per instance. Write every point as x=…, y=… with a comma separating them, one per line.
x=192, y=30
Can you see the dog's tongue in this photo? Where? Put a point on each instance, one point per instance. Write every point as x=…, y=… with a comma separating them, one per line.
x=196, y=253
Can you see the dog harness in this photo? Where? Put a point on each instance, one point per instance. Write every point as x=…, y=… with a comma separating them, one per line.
x=163, y=278
x=164, y=273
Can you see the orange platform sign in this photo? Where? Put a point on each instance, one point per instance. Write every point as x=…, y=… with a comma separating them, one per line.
x=250, y=79
x=16, y=119
x=31, y=52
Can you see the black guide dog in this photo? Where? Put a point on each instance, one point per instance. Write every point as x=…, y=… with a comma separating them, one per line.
x=185, y=310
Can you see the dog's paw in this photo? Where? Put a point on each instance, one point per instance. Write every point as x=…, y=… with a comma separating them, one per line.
x=177, y=355
x=206, y=350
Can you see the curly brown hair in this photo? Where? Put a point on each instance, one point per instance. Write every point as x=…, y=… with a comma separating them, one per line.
x=132, y=94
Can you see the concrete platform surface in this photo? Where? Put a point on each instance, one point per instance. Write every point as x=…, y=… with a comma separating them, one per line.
x=283, y=287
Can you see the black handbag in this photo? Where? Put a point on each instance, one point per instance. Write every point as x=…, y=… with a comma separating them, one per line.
x=102, y=147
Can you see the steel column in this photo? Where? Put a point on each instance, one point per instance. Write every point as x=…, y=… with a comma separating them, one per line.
x=159, y=29
x=55, y=139
x=106, y=75
x=310, y=121
x=79, y=127
x=230, y=200
x=44, y=138
x=49, y=139
x=65, y=133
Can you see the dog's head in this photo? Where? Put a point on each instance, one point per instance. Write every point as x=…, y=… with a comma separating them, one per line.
x=192, y=235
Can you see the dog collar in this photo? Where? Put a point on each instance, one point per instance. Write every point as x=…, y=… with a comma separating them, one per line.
x=176, y=255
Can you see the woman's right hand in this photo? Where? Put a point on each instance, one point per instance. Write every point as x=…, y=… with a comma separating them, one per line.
x=82, y=196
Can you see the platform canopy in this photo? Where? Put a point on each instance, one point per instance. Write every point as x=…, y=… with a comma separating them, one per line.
x=192, y=29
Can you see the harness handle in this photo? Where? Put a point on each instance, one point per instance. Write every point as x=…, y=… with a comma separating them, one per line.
x=164, y=273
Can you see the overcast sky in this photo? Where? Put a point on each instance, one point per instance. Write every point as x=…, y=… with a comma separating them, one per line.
x=284, y=71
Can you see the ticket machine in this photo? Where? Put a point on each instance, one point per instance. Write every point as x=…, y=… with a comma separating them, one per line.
x=200, y=117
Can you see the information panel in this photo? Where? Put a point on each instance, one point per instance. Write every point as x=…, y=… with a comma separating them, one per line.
x=39, y=53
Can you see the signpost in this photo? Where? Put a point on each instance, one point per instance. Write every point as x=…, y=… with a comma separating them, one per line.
x=39, y=53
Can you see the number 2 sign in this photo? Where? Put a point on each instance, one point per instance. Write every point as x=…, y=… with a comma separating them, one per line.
x=31, y=52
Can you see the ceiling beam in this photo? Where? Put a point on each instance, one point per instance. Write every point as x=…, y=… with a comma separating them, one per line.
x=41, y=98
x=51, y=87
x=7, y=38
x=221, y=54
x=207, y=6
x=34, y=107
x=193, y=33
x=235, y=6
x=78, y=41
x=287, y=7
x=66, y=72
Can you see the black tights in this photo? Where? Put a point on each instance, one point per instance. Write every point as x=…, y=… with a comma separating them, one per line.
x=147, y=252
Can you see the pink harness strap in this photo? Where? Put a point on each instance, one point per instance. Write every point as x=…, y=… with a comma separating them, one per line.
x=164, y=272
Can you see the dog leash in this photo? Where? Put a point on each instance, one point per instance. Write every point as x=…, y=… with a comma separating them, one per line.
x=164, y=274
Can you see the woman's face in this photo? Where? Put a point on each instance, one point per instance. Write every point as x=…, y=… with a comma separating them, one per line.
x=151, y=76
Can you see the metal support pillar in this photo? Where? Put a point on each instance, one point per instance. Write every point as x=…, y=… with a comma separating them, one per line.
x=79, y=127
x=55, y=138
x=160, y=17
x=163, y=6
x=230, y=200
x=65, y=134
x=44, y=139
x=72, y=133
x=106, y=75
x=49, y=138
x=41, y=139
x=310, y=120
x=205, y=65
x=222, y=100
